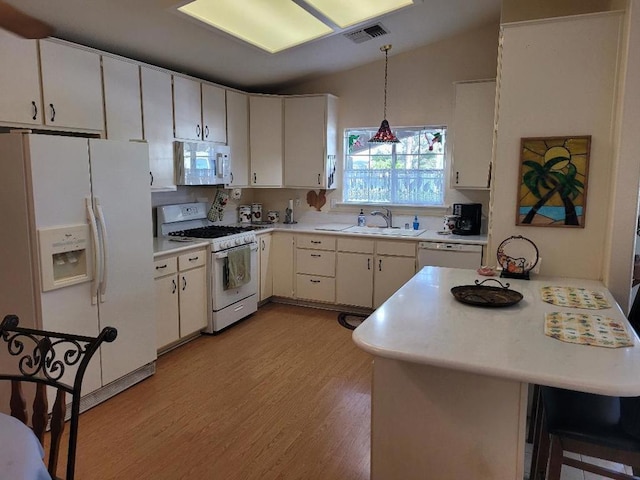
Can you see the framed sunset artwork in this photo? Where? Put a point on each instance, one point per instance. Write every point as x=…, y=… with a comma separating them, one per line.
x=553, y=181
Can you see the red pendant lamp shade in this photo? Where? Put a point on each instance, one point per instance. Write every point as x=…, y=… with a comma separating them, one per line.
x=384, y=133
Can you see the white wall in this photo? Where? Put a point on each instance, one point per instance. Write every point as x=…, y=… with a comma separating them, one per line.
x=558, y=78
x=420, y=92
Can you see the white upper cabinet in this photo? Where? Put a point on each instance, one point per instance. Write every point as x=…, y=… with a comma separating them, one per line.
x=265, y=140
x=122, y=99
x=238, y=137
x=71, y=87
x=20, y=97
x=214, y=115
x=310, y=141
x=187, y=109
x=473, y=134
x=158, y=126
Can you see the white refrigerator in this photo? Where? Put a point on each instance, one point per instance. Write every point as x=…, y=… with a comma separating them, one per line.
x=76, y=251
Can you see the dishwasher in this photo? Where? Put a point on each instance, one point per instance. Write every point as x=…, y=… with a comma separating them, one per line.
x=454, y=255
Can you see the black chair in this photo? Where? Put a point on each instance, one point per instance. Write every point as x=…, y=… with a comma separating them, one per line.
x=592, y=425
x=43, y=359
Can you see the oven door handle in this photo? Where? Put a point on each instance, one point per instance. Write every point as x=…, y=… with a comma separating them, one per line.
x=225, y=254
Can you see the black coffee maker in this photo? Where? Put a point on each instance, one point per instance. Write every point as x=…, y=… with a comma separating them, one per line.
x=469, y=218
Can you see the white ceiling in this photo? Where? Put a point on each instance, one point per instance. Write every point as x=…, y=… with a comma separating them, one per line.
x=150, y=31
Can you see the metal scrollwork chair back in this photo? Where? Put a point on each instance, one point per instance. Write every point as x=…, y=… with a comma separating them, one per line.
x=43, y=357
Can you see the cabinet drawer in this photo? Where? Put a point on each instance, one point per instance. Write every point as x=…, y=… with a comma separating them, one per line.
x=317, y=242
x=197, y=258
x=316, y=262
x=356, y=245
x=319, y=289
x=165, y=266
x=399, y=249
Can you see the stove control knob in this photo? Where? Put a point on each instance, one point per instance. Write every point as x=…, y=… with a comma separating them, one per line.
x=238, y=241
x=225, y=244
x=247, y=240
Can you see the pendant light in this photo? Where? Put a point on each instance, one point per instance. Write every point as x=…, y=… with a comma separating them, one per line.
x=384, y=134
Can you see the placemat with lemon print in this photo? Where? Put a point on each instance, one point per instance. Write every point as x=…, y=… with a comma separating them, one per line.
x=587, y=329
x=574, y=297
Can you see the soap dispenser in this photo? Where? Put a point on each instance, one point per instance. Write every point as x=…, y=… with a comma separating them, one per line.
x=362, y=219
x=416, y=224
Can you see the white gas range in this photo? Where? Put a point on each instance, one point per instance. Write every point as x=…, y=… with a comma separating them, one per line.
x=188, y=221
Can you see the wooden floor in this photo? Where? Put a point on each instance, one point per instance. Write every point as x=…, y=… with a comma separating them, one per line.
x=284, y=394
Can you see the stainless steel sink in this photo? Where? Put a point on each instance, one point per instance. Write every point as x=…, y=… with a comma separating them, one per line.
x=391, y=232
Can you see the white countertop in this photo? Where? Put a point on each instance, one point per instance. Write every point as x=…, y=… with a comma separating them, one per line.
x=423, y=323
x=164, y=246
x=427, y=235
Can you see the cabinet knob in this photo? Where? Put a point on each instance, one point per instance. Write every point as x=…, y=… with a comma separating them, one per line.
x=457, y=177
x=368, y=264
x=319, y=181
x=35, y=110
x=380, y=265
x=206, y=131
x=184, y=283
x=231, y=176
x=175, y=287
x=198, y=131
x=53, y=112
x=151, y=175
x=255, y=178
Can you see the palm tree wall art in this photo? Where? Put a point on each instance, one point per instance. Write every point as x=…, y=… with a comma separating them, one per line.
x=553, y=181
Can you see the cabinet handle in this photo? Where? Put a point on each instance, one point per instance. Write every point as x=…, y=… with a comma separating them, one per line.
x=263, y=244
x=35, y=110
x=206, y=131
x=316, y=255
x=368, y=264
x=380, y=265
x=175, y=287
x=53, y=112
x=184, y=283
x=319, y=178
x=231, y=174
x=198, y=131
x=314, y=281
x=317, y=242
x=255, y=178
x=193, y=259
x=151, y=175
x=457, y=175
x=160, y=267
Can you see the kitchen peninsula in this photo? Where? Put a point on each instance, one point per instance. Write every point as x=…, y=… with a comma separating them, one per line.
x=450, y=381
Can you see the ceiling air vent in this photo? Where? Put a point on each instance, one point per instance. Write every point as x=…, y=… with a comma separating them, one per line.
x=366, y=33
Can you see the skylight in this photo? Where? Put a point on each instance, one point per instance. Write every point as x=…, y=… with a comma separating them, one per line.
x=276, y=25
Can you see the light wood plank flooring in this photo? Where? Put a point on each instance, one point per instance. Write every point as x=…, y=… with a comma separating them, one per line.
x=285, y=394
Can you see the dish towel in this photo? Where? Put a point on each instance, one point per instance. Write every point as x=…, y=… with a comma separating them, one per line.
x=237, y=267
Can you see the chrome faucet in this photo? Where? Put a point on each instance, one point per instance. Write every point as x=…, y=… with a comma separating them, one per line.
x=388, y=217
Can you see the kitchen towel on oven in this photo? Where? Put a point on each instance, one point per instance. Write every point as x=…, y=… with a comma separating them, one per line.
x=237, y=267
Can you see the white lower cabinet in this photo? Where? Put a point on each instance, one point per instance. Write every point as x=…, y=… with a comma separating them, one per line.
x=282, y=264
x=181, y=296
x=354, y=272
x=266, y=275
x=368, y=272
x=316, y=268
x=395, y=264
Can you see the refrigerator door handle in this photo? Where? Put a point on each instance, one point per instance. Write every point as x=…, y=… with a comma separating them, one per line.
x=105, y=250
x=96, y=245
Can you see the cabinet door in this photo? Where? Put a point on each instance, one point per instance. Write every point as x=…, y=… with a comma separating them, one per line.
x=282, y=264
x=193, y=300
x=265, y=140
x=390, y=274
x=214, y=114
x=187, y=108
x=473, y=134
x=266, y=275
x=71, y=87
x=238, y=137
x=167, y=313
x=20, y=100
x=122, y=101
x=157, y=125
x=305, y=138
x=354, y=279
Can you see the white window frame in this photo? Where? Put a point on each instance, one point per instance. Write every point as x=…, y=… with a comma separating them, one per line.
x=395, y=185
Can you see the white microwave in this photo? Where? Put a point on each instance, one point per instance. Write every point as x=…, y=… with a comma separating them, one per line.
x=201, y=163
